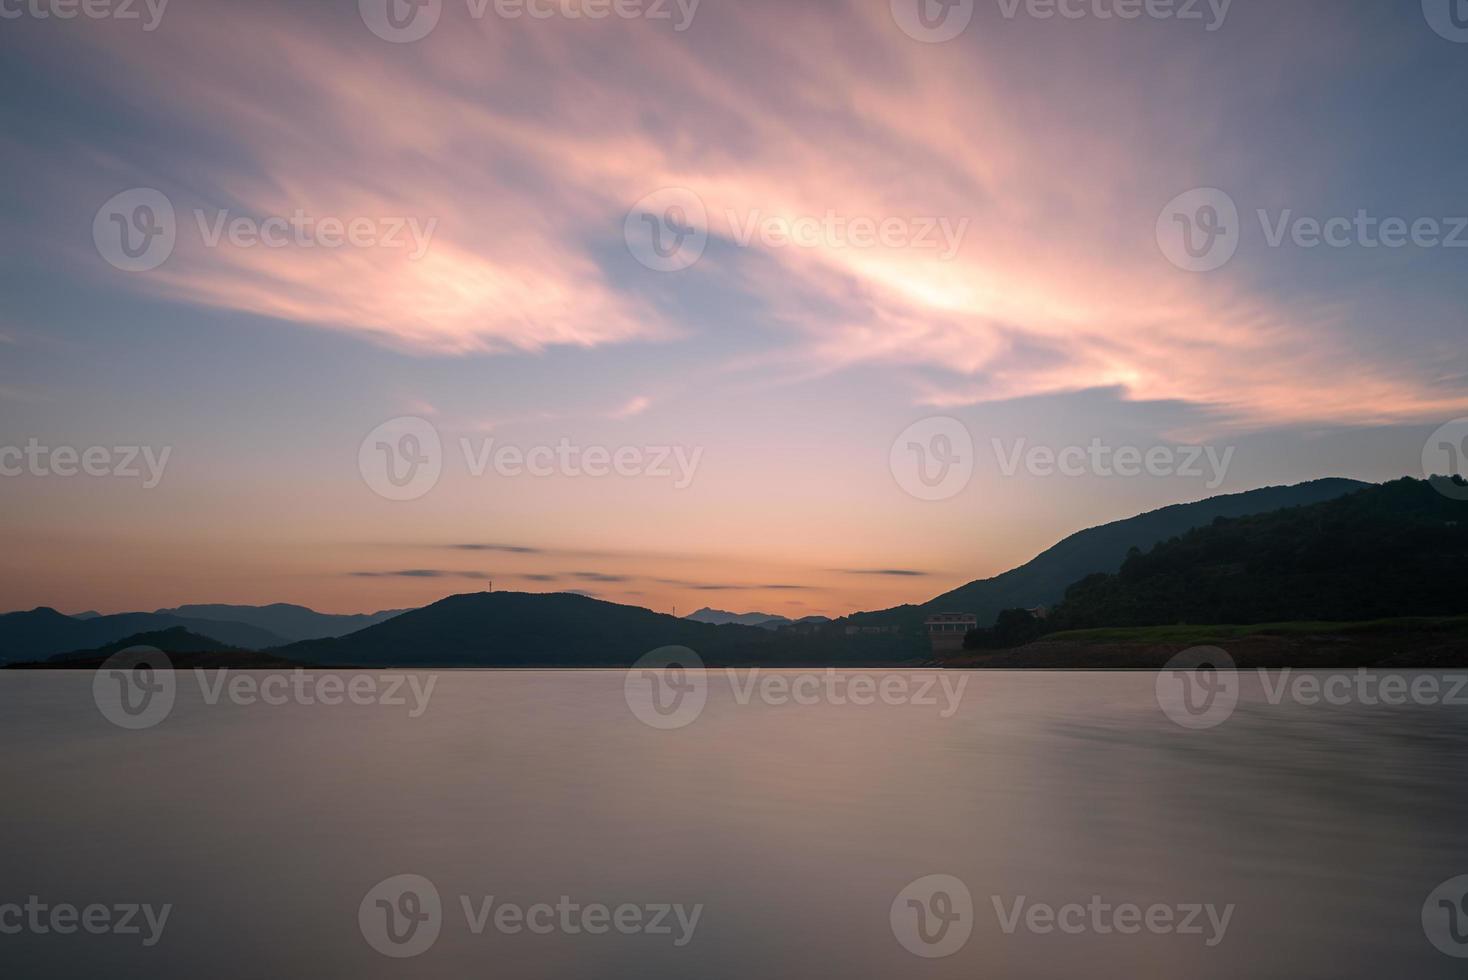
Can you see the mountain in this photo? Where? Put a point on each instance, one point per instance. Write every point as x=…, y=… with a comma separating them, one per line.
x=185, y=650
x=290, y=623
x=175, y=640
x=1043, y=580
x=1398, y=549
x=720, y=617
x=518, y=629
x=44, y=632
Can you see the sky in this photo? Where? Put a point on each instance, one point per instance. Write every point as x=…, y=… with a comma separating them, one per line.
x=803, y=308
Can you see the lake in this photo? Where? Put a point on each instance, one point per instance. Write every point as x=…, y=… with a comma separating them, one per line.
x=535, y=824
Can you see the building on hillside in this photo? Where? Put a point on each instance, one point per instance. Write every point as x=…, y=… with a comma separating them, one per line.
x=946, y=630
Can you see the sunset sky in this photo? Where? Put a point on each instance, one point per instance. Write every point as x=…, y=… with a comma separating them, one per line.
x=524, y=151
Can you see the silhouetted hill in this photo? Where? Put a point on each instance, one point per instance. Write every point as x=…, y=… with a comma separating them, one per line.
x=44, y=632
x=184, y=649
x=1043, y=580
x=516, y=629
x=1399, y=549
x=289, y=622
x=175, y=640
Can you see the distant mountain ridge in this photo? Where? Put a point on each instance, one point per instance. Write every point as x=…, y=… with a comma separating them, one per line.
x=44, y=632
x=1043, y=580
x=769, y=621
x=289, y=622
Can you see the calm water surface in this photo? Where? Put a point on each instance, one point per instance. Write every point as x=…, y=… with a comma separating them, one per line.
x=794, y=827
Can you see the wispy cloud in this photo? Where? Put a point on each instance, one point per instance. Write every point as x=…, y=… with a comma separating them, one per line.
x=1055, y=286
x=421, y=573
x=896, y=572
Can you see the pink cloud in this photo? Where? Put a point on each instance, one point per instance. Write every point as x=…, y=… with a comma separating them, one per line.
x=526, y=142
